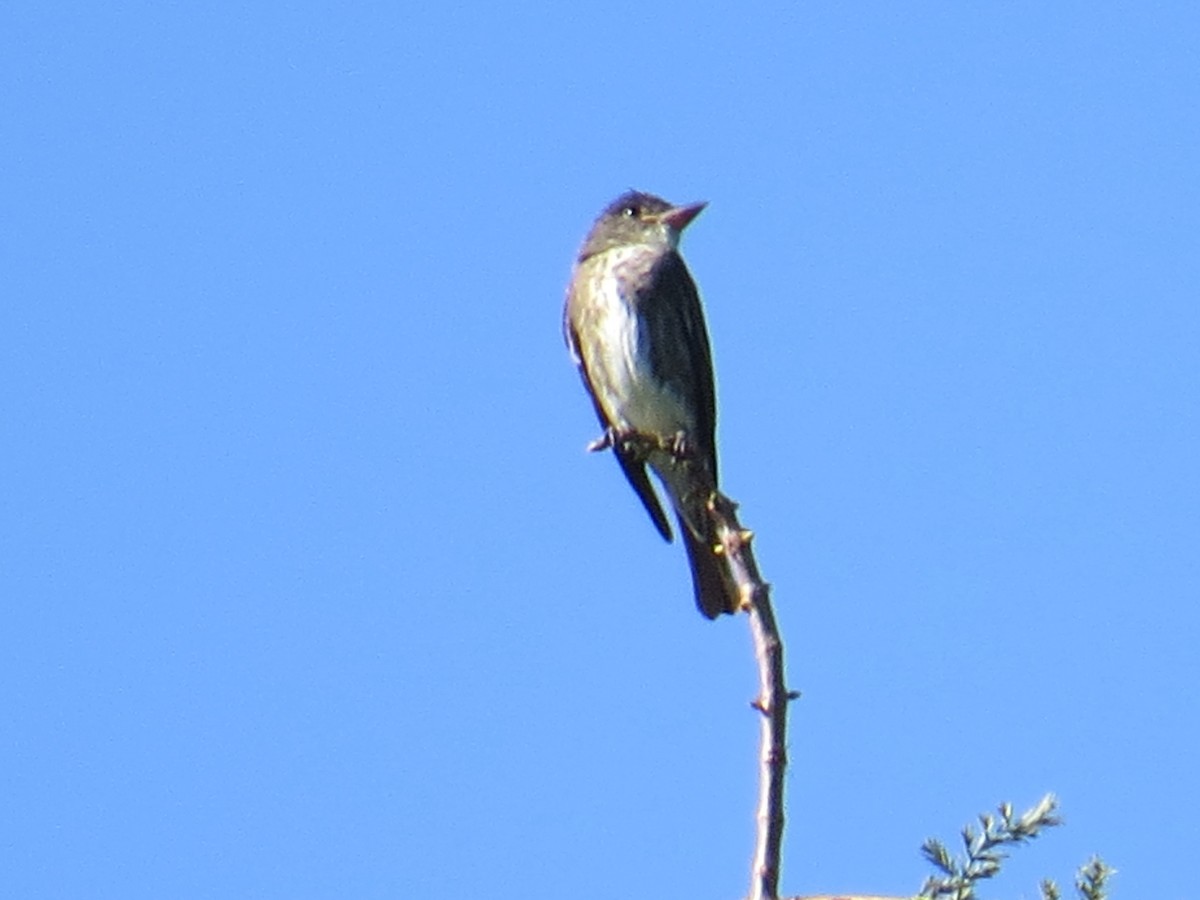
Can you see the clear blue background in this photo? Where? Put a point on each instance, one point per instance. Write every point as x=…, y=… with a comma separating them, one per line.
x=309, y=589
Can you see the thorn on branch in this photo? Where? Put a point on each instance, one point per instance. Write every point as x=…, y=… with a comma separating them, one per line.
x=746, y=603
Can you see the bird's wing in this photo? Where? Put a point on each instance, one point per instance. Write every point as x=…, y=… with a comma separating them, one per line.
x=670, y=308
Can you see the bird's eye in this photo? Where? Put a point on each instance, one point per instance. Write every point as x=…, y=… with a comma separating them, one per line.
x=629, y=212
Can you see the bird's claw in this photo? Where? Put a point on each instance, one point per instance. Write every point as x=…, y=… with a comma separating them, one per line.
x=677, y=444
x=601, y=443
x=611, y=438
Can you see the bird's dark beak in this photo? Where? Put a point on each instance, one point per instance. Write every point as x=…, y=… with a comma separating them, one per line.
x=679, y=217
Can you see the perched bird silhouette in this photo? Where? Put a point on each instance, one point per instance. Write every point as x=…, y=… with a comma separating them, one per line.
x=635, y=328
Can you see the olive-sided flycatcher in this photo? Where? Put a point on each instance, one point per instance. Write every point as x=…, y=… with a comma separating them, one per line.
x=636, y=330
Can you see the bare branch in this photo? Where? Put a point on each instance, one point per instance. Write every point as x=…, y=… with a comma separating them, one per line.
x=732, y=543
x=773, y=695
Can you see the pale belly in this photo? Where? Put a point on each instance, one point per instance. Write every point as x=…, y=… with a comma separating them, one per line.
x=631, y=396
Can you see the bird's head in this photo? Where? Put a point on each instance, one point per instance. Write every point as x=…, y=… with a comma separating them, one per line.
x=635, y=219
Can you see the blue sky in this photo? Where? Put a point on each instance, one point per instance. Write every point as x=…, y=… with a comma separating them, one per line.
x=310, y=589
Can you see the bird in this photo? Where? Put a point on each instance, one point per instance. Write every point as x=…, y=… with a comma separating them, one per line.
x=635, y=329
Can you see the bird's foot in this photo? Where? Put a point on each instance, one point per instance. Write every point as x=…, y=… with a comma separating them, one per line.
x=612, y=437
x=606, y=440
x=679, y=446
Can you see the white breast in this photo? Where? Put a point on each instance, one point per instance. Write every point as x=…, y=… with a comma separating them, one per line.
x=633, y=398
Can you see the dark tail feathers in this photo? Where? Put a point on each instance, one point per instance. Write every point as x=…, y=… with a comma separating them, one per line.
x=713, y=594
